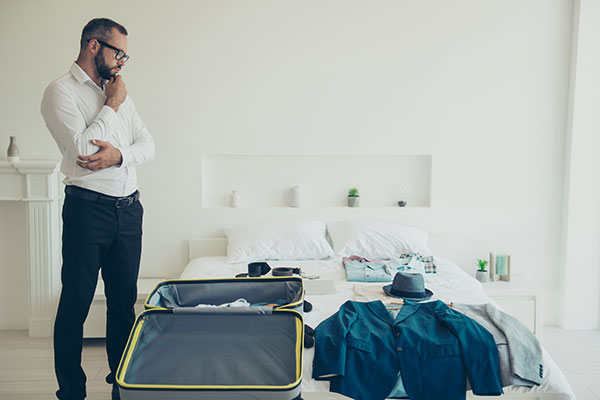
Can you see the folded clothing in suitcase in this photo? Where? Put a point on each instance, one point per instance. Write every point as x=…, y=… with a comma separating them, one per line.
x=216, y=353
x=285, y=292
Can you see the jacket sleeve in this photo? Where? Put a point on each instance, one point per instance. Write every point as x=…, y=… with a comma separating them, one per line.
x=330, y=343
x=524, y=348
x=478, y=350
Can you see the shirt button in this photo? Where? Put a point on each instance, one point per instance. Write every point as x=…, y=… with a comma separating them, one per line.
x=397, y=334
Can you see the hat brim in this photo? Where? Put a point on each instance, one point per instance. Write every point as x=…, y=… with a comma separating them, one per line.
x=428, y=293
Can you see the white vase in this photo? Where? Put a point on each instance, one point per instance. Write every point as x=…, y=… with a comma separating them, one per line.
x=13, y=151
x=234, y=201
x=295, y=196
x=353, y=201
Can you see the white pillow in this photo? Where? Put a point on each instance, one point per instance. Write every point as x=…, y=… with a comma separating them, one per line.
x=376, y=239
x=299, y=240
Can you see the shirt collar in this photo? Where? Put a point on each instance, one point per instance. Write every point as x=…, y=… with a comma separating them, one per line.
x=82, y=77
x=79, y=74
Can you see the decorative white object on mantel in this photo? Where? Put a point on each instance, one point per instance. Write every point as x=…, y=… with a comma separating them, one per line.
x=12, y=153
x=234, y=200
x=36, y=182
x=295, y=196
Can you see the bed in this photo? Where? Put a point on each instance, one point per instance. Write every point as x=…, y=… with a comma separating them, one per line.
x=207, y=259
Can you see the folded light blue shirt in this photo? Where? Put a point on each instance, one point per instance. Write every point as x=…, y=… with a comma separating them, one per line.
x=379, y=271
x=368, y=272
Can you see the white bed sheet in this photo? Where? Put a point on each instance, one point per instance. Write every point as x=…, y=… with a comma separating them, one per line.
x=450, y=284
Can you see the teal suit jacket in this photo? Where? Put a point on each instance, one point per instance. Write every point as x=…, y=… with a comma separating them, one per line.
x=360, y=350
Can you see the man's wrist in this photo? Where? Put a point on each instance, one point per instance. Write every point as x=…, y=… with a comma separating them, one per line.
x=112, y=104
x=119, y=158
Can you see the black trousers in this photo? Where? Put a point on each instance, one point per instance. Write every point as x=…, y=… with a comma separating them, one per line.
x=96, y=236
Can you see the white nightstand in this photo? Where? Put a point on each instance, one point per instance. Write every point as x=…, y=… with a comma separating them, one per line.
x=519, y=297
x=95, y=324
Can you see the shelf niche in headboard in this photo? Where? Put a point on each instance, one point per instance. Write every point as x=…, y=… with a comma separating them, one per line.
x=324, y=180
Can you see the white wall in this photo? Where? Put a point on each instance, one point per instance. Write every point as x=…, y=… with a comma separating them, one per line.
x=580, y=297
x=481, y=86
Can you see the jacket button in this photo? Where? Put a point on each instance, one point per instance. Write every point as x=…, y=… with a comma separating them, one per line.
x=399, y=348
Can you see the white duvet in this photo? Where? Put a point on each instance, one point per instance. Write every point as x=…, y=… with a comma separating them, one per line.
x=449, y=284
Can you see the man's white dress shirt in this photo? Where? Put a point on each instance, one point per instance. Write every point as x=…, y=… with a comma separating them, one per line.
x=74, y=111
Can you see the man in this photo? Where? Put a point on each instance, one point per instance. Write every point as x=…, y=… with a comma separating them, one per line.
x=102, y=139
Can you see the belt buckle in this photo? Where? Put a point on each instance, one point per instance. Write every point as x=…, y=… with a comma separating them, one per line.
x=123, y=202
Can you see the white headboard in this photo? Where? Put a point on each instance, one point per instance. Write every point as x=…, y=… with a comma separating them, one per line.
x=207, y=247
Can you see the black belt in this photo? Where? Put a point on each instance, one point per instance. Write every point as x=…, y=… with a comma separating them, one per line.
x=90, y=195
x=285, y=271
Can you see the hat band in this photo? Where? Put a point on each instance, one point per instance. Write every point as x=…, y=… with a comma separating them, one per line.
x=401, y=293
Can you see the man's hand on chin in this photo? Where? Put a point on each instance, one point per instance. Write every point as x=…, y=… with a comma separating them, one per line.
x=107, y=156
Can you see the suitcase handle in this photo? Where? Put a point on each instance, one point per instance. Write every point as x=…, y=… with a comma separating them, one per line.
x=224, y=310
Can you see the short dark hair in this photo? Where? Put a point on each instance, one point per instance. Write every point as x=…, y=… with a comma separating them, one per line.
x=100, y=28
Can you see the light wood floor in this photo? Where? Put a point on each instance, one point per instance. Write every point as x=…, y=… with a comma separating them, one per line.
x=27, y=373
x=578, y=355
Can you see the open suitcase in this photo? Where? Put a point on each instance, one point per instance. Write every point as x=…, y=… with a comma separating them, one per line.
x=287, y=292
x=179, y=351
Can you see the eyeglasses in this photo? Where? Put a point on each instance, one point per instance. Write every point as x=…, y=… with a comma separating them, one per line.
x=120, y=55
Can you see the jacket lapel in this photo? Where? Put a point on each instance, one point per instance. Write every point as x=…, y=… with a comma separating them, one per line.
x=380, y=311
x=408, y=309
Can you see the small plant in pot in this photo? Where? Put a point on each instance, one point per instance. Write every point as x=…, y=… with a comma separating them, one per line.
x=353, y=197
x=482, y=275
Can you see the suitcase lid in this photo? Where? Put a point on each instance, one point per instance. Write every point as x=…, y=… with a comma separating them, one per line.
x=285, y=291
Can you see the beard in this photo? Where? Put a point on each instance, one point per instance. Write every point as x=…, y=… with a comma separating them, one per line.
x=103, y=69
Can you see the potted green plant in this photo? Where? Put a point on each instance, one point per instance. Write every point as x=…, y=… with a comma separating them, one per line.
x=353, y=197
x=481, y=275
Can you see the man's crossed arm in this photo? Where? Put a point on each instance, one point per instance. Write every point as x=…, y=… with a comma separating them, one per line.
x=106, y=157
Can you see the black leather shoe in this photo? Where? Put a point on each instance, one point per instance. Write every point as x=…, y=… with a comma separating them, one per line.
x=115, y=392
x=309, y=337
x=308, y=330
x=307, y=306
x=309, y=341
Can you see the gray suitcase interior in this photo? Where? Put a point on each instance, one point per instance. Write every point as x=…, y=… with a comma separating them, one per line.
x=254, y=353
x=288, y=292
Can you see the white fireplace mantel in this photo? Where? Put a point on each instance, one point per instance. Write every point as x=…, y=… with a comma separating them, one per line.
x=36, y=182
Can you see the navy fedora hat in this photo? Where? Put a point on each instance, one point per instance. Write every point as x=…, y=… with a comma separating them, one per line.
x=408, y=286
